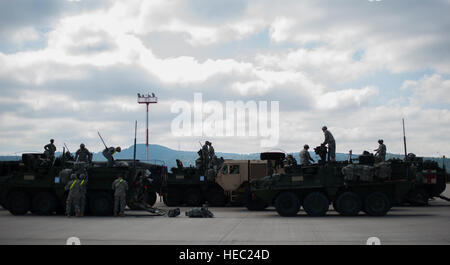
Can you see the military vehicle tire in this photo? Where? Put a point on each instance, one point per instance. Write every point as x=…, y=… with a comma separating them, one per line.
x=44, y=203
x=101, y=204
x=18, y=203
x=348, y=204
x=316, y=204
x=192, y=197
x=150, y=198
x=173, y=198
x=216, y=198
x=419, y=197
x=287, y=204
x=377, y=204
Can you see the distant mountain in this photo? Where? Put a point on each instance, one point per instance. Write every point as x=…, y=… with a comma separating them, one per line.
x=162, y=154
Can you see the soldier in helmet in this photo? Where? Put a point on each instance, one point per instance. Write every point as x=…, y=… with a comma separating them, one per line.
x=329, y=140
x=108, y=154
x=74, y=196
x=380, y=154
x=83, y=154
x=305, y=157
x=50, y=150
x=205, y=154
x=120, y=187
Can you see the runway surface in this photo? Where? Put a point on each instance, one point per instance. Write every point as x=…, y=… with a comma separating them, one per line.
x=234, y=225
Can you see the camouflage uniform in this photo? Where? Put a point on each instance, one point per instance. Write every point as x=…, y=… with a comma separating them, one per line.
x=120, y=187
x=205, y=156
x=305, y=157
x=329, y=140
x=381, y=152
x=74, y=197
x=83, y=155
x=83, y=186
x=50, y=150
x=108, y=154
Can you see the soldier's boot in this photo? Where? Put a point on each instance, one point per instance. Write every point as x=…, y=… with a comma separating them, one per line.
x=115, y=215
x=122, y=214
x=78, y=213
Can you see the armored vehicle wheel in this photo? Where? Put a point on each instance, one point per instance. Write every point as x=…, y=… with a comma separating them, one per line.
x=217, y=198
x=18, y=203
x=287, y=204
x=101, y=204
x=316, y=204
x=348, y=204
x=172, y=198
x=150, y=198
x=44, y=203
x=377, y=204
x=418, y=197
x=192, y=197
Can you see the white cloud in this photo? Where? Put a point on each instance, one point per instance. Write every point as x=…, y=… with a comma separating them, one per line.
x=432, y=88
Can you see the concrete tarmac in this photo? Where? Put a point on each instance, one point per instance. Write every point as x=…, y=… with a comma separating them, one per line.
x=234, y=225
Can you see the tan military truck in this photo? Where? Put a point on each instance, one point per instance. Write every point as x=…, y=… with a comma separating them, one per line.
x=228, y=185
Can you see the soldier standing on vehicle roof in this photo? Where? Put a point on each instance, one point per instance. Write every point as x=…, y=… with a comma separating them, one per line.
x=83, y=154
x=108, y=154
x=380, y=154
x=50, y=150
x=205, y=155
x=74, y=196
x=329, y=140
x=120, y=187
x=305, y=157
x=83, y=179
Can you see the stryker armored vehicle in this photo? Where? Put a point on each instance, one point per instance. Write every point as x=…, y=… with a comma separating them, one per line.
x=349, y=187
x=430, y=181
x=226, y=181
x=37, y=184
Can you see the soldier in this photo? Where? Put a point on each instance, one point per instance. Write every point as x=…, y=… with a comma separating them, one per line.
x=205, y=155
x=305, y=157
x=50, y=150
x=73, y=199
x=120, y=187
x=329, y=140
x=108, y=154
x=83, y=154
x=211, y=152
x=380, y=154
x=83, y=190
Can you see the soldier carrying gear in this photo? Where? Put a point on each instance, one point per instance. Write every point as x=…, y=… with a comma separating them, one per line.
x=108, y=154
x=380, y=154
x=329, y=140
x=74, y=196
x=50, y=150
x=83, y=154
x=83, y=179
x=120, y=187
x=305, y=157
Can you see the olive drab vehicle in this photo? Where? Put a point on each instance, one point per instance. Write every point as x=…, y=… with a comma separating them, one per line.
x=223, y=182
x=430, y=181
x=37, y=184
x=350, y=188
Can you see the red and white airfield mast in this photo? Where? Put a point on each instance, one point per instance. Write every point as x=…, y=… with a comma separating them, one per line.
x=147, y=99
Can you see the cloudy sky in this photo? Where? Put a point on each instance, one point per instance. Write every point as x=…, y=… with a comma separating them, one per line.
x=70, y=68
